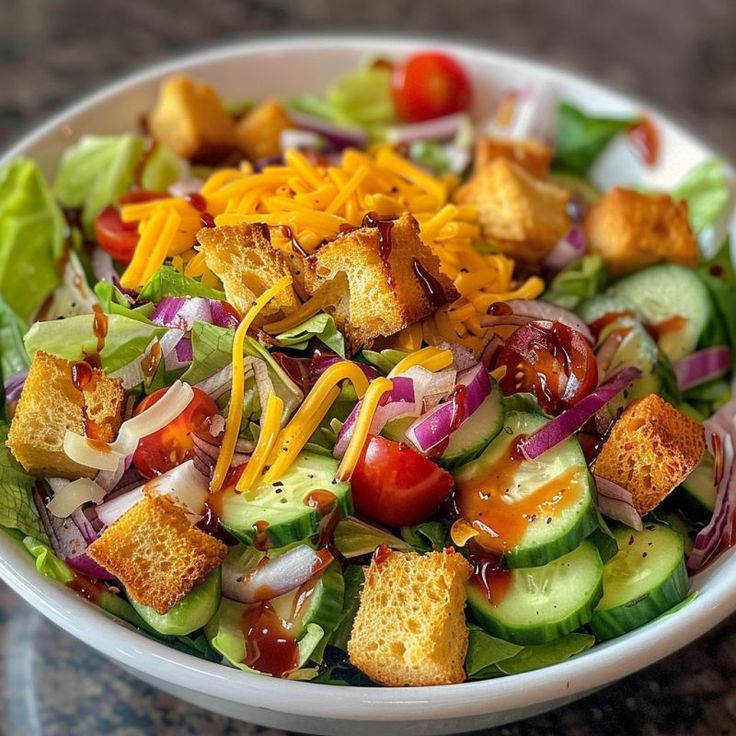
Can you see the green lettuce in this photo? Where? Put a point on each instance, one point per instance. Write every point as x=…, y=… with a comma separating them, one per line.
x=162, y=168
x=322, y=326
x=354, y=538
x=384, y=361
x=485, y=652
x=580, y=280
x=582, y=138
x=32, y=231
x=95, y=171
x=13, y=356
x=720, y=279
x=167, y=281
x=17, y=510
x=343, y=673
x=431, y=535
x=113, y=301
x=354, y=577
x=431, y=155
x=707, y=192
x=73, y=338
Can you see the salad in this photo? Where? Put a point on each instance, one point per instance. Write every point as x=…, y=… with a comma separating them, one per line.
x=360, y=388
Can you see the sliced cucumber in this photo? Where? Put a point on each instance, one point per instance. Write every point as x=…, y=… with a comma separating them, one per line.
x=602, y=304
x=604, y=541
x=279, y=513
x=667, y=291
x=474, y=435
x=699, y=490
x=645, y=578
x=396, y=429
x=493, y=486
x=541, y=604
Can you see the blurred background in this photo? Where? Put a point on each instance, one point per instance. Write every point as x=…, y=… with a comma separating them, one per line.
x=676, y=54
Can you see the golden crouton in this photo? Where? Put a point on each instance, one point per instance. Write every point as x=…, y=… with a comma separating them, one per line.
x=652, y=448
x=522, y=216
x=410, y=627
x=156, y=553
x=51, y=404
x=259, y=131
x=393, y=279
x=191, y=120
x=531, y=154
x=631, y=230
x=242, y=257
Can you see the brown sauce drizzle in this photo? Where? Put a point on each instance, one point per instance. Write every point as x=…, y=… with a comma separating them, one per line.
x=296, y=246
x=384, y=226
x=382, y=554
x=323, y=501
x=151, y=361
x=270, y=646
x=86, y=588
x=490, y=577
x=196, y=200
x=430, y=286
x=81, y=374
x=207, y=220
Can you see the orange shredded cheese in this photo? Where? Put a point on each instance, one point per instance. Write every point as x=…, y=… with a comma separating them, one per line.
x=270, y=425
x=431, y=358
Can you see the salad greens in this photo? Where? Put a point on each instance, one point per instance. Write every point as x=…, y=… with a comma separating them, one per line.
x=581, y=280
x=167, y=281
x=322, y=326
x=706, y=190
x=13, y=356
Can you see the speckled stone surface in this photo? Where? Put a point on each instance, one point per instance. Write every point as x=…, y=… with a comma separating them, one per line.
x=677, y=54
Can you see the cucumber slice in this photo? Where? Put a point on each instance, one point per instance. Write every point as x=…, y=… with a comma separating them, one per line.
x=604, y=541
x=492, y=490
x=282, y=512
x=541, y=604
x=646, y=578
x=667, y=291
x=192, y=612
x=396, y=429
x=474, y=435
x=602, y=304
x=699, y=490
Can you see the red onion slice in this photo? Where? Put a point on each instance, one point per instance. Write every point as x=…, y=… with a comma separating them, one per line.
x=571, y=420
x=271, y=578
x=615, y=502
x=702, y=366
x=218, y=383
x=525, y=311
x=567, y=250
x=436, y=129
x=340, y=136
x=181, y=312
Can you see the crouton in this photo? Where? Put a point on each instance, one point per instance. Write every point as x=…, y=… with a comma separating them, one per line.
x=522, y=216
x=258, y=132
x=242, y=257
x=631, y=230
x=156, y=553
x=51, y=404
x=191, y=120
x=393, y=279
x=531, y=154
x=652, y=448
x=410, y=626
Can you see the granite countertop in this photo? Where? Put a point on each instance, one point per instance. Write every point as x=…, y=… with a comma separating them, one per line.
x=679, y=55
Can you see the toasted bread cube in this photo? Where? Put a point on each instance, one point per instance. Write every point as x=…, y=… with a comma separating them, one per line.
x=156, y=553
x=531, y=154
x=51, y=404
x=242, y=257
x=410, y=627
x=631, y=230
x=522, y=216
x=393, y=279
x=652, y=448
x=191, y=120
x=259, y=131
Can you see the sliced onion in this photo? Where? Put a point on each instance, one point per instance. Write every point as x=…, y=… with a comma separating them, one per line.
x=436, y=129
x=702, y=366
x=462, y=357
x=340, y=136
x=186, y=185
x=85, y=565
x=108, y=479
x=435, y=427
x=296, y=138
x=271, y=578
x=525, y=311
x=131, y=374
x=615, y=502
x=430, y=388
x=604, y=354
x=571, y=420
x=102, y=265
x=13, y=385
x=181, y=312
x=85, y=526
x=218, y=383
x=110, y=511
x=566, y=251
x=73, y=495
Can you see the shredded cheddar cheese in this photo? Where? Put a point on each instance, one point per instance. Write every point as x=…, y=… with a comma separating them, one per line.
x=235, y=410
x=431, y=358
x=373, y=395
x=270, y=425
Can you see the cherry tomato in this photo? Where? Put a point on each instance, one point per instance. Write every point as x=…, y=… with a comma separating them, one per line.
x=116, y=237
x=395, y=485
x=550, y=360
x=173, y=445
x=429, y=85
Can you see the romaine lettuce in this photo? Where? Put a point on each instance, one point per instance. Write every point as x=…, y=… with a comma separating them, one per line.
x=13, y=356
x=167, y=281
x=162, y=168
x=707, y=192
x=32, y=229
x=580, y=280
x=322, y=326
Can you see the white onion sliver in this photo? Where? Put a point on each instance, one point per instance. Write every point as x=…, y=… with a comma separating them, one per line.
x=99, y=455
x=73, y=495
x=185, y=482
x=110, y=511
x=131, y=374
x=218, y=383
x=617, y=503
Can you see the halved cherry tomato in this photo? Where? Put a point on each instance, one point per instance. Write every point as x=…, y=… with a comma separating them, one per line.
x=550, y=360
x=395, y=485
x=116, y=237
x=173, y=445
x=429, y=85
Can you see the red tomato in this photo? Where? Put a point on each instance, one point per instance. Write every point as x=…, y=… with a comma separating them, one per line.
x=173, y=445
x=550, y=360
x=429, y=85
x=116, y=237
x=395, y=485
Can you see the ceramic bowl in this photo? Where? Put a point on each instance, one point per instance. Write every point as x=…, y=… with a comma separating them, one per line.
x=294, y=66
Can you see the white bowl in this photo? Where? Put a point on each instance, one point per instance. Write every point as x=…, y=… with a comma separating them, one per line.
x=297, y=65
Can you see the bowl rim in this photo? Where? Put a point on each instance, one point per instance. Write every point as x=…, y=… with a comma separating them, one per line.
x=597, y=667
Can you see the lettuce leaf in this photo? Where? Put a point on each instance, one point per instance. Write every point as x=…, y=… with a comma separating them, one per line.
x=707, y=192
x=162, y=168
x=431, y=535
x=322, y=326
x=354, y=577
x=582, y=138
x=17, y=510
x=719, y=277
x=113, y=301
x=580, y=280
x=354, y=538
x=13, y=356
x=343, y=673
x=167, y=281
x=32, y=230
x=95, y=171
x=74, y=338
x=485, y=652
